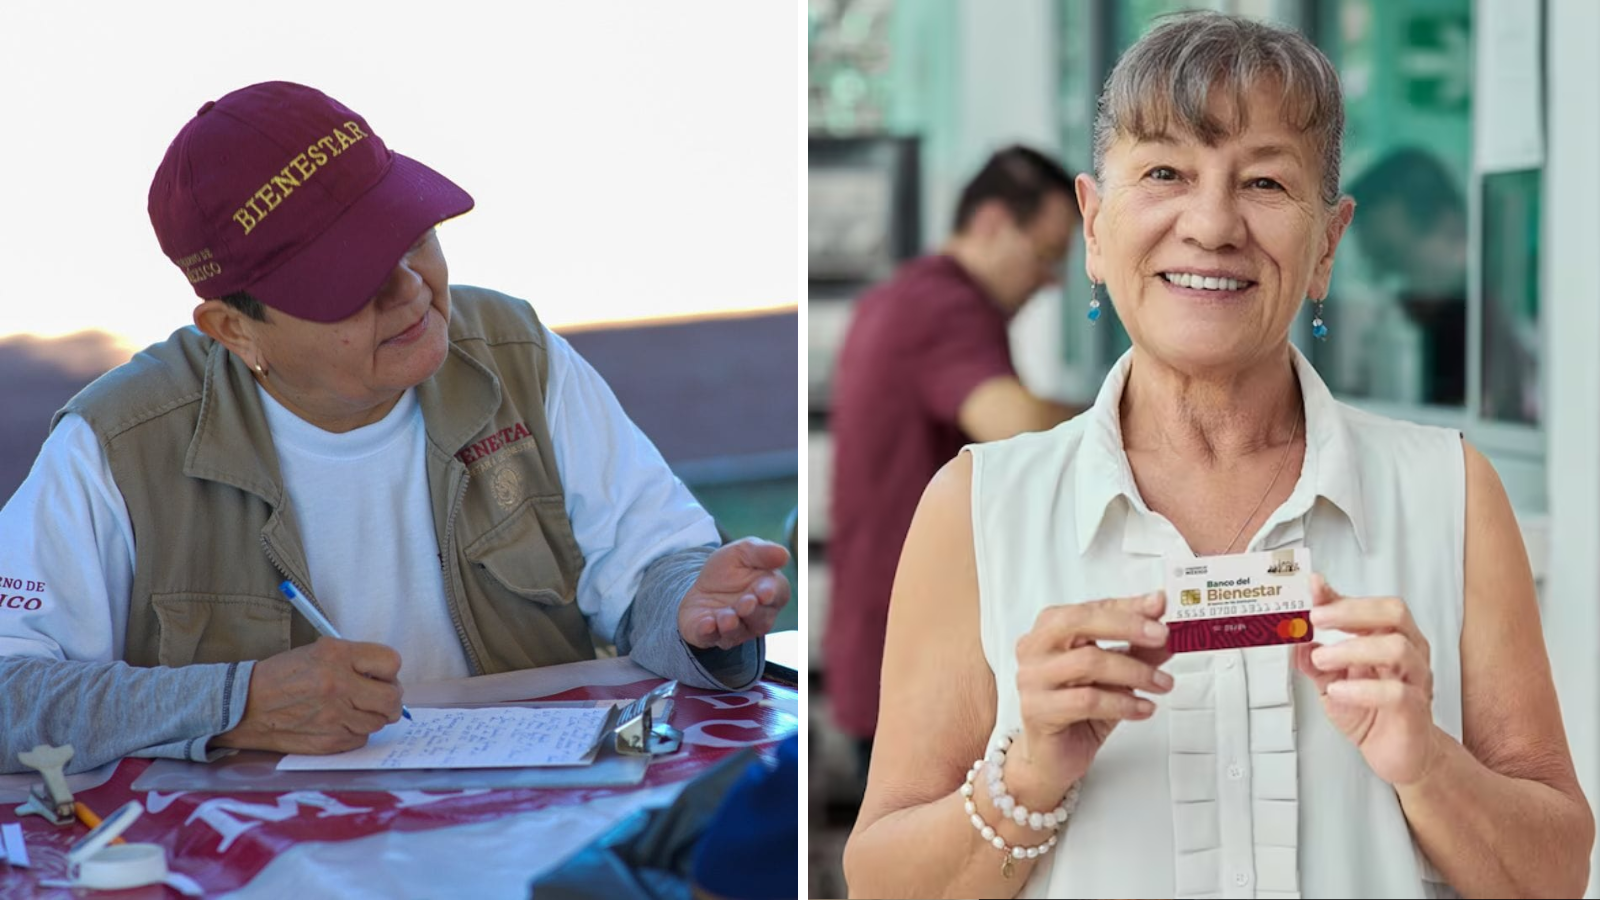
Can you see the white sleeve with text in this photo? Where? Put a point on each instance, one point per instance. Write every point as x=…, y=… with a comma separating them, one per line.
x=66, y=554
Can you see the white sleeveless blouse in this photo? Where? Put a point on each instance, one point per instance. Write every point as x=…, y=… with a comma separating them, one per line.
x=1238, y=786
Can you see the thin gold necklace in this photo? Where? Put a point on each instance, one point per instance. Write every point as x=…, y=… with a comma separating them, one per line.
x=1287, y=450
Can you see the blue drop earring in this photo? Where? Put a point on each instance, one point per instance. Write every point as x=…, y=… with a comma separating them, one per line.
x=1319, y=328
x=1094, y=301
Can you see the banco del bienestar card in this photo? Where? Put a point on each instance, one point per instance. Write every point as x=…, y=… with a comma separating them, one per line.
x=1243, y=600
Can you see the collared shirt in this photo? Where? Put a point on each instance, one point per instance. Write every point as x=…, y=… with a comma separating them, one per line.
x=1238, y=786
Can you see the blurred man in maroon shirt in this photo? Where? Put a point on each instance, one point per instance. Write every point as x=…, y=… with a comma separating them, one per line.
x=925, y=369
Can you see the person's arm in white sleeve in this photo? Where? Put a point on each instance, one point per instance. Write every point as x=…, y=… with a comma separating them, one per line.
x=66, y=569
x=643, y=536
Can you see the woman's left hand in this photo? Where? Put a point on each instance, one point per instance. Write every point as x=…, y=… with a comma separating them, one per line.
x=1376, y=686
x=737, y=595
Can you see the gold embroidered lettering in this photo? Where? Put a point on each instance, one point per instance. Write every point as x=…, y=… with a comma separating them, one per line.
x=202, y=272
x=280, y=186
x=285, y=182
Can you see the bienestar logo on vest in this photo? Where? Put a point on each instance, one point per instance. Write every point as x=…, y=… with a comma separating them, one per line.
x=494, y=443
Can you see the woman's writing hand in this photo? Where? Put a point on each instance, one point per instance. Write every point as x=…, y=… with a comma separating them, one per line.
x=1074, y=693
x=1377, y=686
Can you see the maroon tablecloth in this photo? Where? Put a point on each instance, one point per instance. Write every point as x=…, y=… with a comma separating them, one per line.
x=223, y=839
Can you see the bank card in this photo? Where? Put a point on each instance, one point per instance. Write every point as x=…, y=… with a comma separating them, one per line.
x=1242, y=600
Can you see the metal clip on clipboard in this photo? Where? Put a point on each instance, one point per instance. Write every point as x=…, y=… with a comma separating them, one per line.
x=641, y=727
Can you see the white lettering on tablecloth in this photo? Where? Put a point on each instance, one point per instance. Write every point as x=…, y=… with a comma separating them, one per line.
x=696, y=734
x=217, y=813
x=156, y=803
x=726, y=701
x=422, y=798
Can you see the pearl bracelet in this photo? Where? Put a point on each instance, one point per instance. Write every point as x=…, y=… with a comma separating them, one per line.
x=1008, y=806
x=1012, y=854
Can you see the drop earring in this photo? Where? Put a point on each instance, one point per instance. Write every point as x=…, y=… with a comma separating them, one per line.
x=1319, y=328
x=1094, y=300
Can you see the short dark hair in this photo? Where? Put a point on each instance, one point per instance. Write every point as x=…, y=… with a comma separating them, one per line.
x=1017, y=176
x=247, y=304
x=1417, y=180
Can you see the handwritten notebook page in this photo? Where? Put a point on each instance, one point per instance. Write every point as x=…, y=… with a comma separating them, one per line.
x=475, y=738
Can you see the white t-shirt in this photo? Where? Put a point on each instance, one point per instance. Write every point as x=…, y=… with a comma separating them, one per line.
x=366, y=522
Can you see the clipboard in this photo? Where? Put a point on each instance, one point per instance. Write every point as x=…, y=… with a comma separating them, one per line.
x=256, y=771
x=638, y=731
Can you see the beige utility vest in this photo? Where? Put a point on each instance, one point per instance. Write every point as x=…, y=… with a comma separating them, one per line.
x=187, y=440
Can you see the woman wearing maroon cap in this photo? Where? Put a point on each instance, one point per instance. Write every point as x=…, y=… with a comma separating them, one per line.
x=444, y=480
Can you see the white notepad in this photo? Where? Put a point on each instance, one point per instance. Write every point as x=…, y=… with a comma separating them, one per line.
x=473, y=738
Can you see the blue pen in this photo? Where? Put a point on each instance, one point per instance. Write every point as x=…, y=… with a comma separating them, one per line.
x=320, y=623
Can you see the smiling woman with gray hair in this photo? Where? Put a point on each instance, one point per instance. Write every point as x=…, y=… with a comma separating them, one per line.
x=1422, y=755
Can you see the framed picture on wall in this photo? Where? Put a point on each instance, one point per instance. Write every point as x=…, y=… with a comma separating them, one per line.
x=862, y=208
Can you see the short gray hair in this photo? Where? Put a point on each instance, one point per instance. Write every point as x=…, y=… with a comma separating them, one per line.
x=1165, y=80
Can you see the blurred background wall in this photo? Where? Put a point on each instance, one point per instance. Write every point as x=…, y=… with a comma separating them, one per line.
x=1478, y=311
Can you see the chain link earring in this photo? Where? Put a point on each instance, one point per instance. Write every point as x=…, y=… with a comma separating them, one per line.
x=1319, y=328
x=1094, y=301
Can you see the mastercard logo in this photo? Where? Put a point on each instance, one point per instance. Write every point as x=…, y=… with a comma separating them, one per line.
x=1293, y=629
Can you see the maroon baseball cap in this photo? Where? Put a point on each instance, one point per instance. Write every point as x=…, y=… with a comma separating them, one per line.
x=279, y=190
